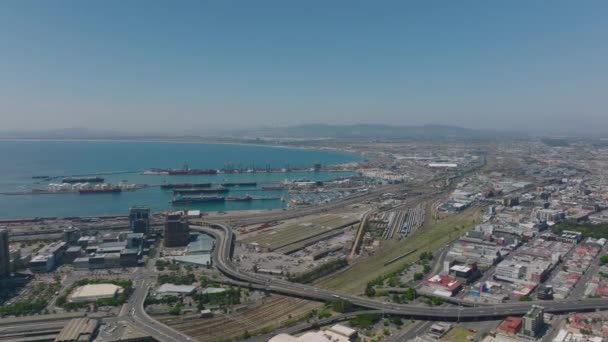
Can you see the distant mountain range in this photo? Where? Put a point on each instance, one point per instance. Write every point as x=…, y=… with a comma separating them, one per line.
x=369, y=131
x=310, y=131
x=73, y=133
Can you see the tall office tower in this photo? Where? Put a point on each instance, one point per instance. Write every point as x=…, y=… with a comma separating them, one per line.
x=533, y=321
x=139, y=220
x=177, y=232
x=5, y=260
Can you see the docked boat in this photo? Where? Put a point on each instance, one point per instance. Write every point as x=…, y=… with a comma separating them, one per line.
x=239, y=199
x=192, y=172
x=274, y=188
x=198, y=199
x=83, y=180
x=156, y=172
x=200, y=191
x=184, y=171
x=184, y=185
x=232, y=184
x=100, y=190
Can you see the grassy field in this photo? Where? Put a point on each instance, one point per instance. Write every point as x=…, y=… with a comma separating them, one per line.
x=430, y=237
x=291, y=232
x=456, y=334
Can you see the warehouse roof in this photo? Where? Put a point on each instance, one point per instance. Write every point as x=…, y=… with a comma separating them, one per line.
x=284, y=338
x=170, y=288
x=210, y=290
x=344, y=331
x=96, y=290
x=195, y=259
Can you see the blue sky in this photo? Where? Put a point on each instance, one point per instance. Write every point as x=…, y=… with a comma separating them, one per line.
x=187, y=65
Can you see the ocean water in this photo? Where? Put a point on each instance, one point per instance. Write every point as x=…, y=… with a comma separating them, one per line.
x=20, y=160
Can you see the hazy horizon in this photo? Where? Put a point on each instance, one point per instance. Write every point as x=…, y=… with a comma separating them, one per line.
x=157, y=66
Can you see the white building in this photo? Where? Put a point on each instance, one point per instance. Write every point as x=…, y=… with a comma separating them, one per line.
x=337, y=333
x=510, y=271
x=175, y=290
x=93, y=292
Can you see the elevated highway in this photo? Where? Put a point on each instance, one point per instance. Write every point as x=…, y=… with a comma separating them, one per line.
x=223, y=261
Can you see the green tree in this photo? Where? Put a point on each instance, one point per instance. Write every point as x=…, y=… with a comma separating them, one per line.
x=410, y=294
x=369, y=290
x=396, y=298
x=341, y=305
x=365, y=321
x=176, y=310
x=324, y=314
x=436, y=300
x=396, y=320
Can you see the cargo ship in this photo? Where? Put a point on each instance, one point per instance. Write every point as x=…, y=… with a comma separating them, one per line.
x=230, y=184
x=250, y=198
x=192, y=172
x=156, y=172
x=240, y=199
x=200, y=191
x=199, y=199
x=83, y=180
x=184, y=185
x=100, y=190
x=184, y=171
x=274, y=188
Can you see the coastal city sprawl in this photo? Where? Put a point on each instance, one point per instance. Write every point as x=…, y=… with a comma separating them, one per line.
x=415, y=240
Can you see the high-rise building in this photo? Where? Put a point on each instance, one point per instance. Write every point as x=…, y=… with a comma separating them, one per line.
x=177, y=232
x=5, y=259
x=533, y=321
x=139, y=220
x=71, y=235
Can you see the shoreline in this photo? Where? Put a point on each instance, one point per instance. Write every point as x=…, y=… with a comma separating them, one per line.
x=23, y=208
x=320, y=149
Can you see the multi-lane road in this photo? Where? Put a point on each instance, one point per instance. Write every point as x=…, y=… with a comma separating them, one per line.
x=222, y=259
x=133, y=311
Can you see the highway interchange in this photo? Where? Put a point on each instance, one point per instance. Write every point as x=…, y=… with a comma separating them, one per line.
x=222, y=258
x=134, y=313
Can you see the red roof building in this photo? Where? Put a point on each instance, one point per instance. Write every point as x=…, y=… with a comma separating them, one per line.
x=511, y=325
x=579, y=321
x=444, y=283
